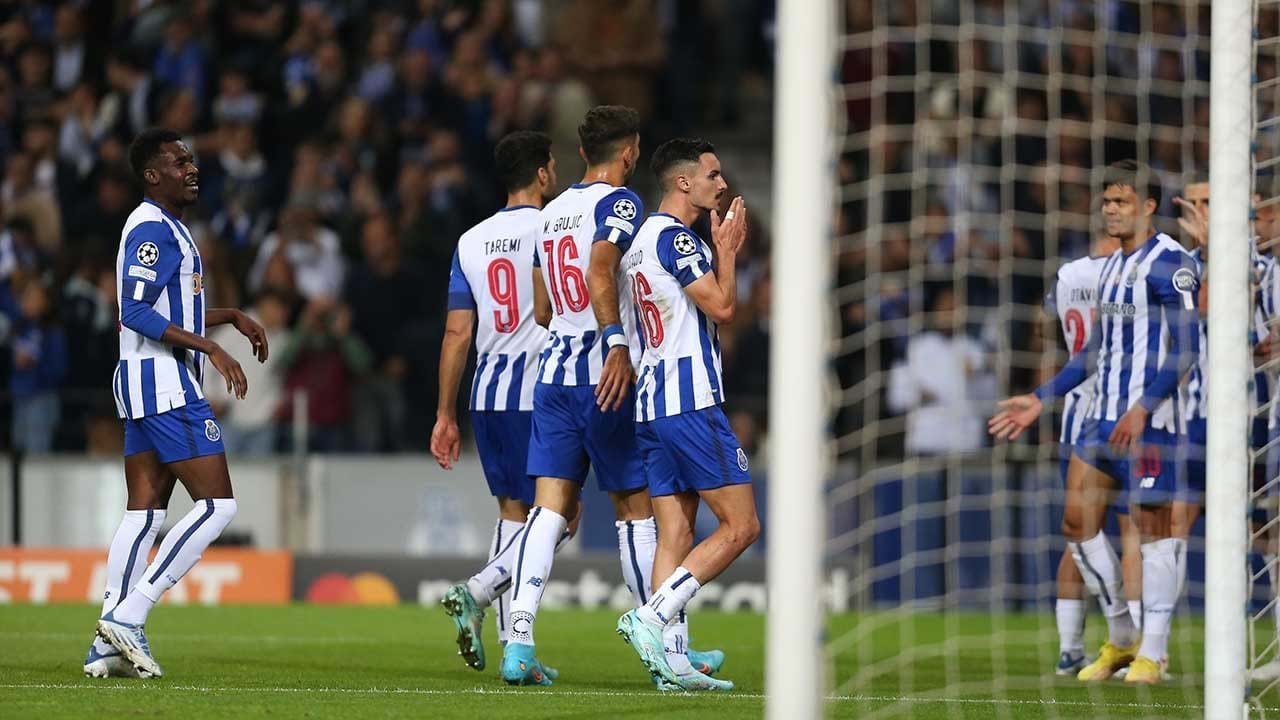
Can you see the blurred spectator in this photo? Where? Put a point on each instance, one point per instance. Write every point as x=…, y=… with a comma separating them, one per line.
x=386, y=298
x=71, y=52
x=251, y=426
x=180, y=61
x=323, y=359
x=236, y=102
x=88, y=313
x=616, y=48
x=21, y=196
x=135, y=94
x=84, y=126
x=311, y=249
x=935, y=387
x=39, y=367
x=19, y=256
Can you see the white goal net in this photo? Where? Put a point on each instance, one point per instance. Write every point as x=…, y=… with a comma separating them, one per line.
x=969, y=144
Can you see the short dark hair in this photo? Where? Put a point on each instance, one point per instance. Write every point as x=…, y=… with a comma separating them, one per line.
x=1131, y=173
x=519, y=156
x=677, y=151
x=146, y=147
x=603, y=128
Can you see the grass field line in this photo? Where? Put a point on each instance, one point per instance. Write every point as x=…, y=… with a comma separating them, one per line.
x=187, y=637
x=897, y=699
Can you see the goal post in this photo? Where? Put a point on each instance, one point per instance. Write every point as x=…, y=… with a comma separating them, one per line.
x=799, y=401
x=1226, y=533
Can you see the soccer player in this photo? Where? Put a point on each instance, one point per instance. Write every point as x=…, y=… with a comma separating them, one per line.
x=1074, y=298
x=683, y=290
x=492, y=277
x=169, y=431
x=1146, y=340
x=571, y=431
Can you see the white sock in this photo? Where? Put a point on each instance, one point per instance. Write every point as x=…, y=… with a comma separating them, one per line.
x=1135, y=613
x=494, y=578
x=675, y=640
x=670, y=598
x=637, y=542
x=1160, y=563
x=127, y=558
x=1070, y=614
x=179, y=552
x=505, y=533
x=1100, y=567
x=533, y=568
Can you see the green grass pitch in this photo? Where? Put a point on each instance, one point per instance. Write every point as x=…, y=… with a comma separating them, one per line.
x=391, y=662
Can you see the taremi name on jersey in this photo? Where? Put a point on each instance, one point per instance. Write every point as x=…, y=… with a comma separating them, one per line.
x=156, y=385
x=684, y=438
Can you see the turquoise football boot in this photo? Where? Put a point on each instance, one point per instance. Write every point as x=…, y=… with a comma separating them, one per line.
x=707, y=662
x=468, y=618
x=694, y=681
x=520, y=667
x=646, y=640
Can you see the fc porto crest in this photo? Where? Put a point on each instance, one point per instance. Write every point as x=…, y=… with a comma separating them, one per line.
x=212, y=431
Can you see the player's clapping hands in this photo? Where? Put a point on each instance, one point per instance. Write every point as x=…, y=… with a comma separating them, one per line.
x=730, y=234
x=1015, y=415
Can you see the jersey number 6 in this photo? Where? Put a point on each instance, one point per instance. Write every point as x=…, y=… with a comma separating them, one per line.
x=649, y=312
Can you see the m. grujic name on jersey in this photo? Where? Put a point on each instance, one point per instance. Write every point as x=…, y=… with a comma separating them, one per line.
x=562, y=224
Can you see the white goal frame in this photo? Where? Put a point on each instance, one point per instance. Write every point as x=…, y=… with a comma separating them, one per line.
x=799, y=398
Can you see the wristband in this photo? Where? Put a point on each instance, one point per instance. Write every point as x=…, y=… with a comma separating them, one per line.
x=614, y=336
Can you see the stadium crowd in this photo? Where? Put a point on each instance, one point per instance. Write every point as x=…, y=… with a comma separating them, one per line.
x=344, y=145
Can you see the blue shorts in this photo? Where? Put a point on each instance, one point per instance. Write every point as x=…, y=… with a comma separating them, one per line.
x=175, y=435
x=502, y=440
x=691, y=452
x=1197, y=440
x=571, y=435
x=1154, y=477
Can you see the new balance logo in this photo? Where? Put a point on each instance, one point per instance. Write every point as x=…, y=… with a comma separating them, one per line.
x=535, y=581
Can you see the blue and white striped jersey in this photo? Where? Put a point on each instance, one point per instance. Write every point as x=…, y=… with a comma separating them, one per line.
x=1196, y=392
x=1074, y=298
x=1144, y=299
x=492, y=274
x=1266, y=317
x=158, y=281
x=680, y=368
x=571, y=224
